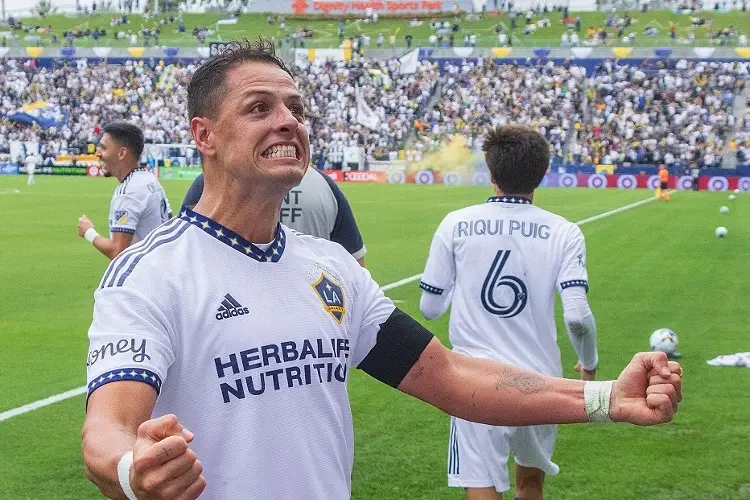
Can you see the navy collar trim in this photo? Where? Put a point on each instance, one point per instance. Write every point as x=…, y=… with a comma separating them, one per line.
x=518, y=200
x=234, y=240
x=139, y=169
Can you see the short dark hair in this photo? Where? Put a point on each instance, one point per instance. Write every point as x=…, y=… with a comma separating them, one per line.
x=208, y=83
x=517, y=157
x=126, y=134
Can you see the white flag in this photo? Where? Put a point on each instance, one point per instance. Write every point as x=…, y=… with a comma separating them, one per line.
x=409, y=62
x=365, y=115
x=301, y=58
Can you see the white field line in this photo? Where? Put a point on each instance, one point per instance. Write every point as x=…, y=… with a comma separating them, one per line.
x=82, y=390
x=42, y=403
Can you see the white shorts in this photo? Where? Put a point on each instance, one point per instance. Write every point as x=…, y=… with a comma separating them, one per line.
x=478, y=453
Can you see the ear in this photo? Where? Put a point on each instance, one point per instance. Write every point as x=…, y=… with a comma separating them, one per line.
x=202, y=130
x=122, y=153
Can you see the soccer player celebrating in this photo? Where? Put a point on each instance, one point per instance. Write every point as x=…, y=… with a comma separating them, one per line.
x=139, y=203
x=499, y=263
x=221, y=344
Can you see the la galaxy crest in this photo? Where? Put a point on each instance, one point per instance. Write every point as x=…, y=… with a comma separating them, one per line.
x=121, y=217
x=332, y=295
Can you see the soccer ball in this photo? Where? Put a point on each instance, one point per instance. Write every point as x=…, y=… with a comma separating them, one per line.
x=721, y=232
x=732, y=197
x=736, y=190
x=724, y=210
x=664, y=340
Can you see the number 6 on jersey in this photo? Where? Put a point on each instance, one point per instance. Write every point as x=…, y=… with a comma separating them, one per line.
x=513, y=291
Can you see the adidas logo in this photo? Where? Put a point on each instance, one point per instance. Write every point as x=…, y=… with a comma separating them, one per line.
x=230, y=307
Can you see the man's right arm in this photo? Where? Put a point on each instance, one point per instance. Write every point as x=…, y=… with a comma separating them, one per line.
x=113, y=414
x=162, y=466
x=573, y=285
x=129, y=357
x=439, y=274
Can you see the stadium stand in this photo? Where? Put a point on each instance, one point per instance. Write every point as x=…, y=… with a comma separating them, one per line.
x=677, y=115
x=680, y=113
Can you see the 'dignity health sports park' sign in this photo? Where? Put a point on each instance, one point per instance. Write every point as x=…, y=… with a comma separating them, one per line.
x=344, y=7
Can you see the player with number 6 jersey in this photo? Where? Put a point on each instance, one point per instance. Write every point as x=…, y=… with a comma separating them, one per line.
x=499, y=263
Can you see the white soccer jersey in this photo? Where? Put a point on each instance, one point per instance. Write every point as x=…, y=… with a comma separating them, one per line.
x=30, y=163
x=502, y=261
x=251, y=350
x=138, y=205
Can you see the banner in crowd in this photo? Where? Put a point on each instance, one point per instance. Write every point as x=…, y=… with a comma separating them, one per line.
x=365, y=115
x=358, y=176
x=409, y=62
x=94, y=171
x=552, y=179
x=349, y=7
x=42, y=113
x=179, y=173
x=60, y=170
x=8, y=169
x=644, y=181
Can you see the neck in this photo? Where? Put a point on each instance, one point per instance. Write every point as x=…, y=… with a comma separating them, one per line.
x=500, y=192
x=250, y=211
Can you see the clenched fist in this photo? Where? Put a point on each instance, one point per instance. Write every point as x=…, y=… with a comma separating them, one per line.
x=647, y=391
x=164, y=468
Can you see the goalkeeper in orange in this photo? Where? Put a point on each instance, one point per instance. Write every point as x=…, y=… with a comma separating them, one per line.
x=662, y=192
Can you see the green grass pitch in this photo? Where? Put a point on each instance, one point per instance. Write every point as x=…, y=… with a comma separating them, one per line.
x=657, y=265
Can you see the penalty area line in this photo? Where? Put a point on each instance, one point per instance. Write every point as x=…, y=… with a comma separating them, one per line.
x=82, y=390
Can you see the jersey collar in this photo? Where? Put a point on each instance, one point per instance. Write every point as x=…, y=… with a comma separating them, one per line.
x=234, y=240
x=518, y=200
x=139, y=169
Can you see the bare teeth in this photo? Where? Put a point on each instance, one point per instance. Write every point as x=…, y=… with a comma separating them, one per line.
x=285, y=151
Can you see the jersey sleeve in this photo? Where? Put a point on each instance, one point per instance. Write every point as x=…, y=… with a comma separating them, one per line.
x=388, y=342
x=573, y=269
x=440, y=270
x=126, y=212
x=194, y=193
x=128, y=340
x=371, y=309
x=345, y=231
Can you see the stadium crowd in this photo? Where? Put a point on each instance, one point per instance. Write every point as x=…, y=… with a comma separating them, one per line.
x=741, y=140
x=154, y=98
x=331, y=89
x=90, y=96
x=477, y=96
x=678, y=115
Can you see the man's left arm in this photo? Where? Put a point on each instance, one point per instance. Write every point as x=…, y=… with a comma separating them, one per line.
x=111, y=248
x=481, y=390
x=126, y=212
x=394, y=348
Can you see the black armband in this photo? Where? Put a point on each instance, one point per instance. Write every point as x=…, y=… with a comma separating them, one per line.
x=400, y=342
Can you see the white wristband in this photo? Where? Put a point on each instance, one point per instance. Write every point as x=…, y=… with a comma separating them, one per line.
x=123, y=473
x=596, y=395
x=90, y=234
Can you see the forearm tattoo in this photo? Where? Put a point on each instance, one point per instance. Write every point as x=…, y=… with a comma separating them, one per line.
x=526, y=383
